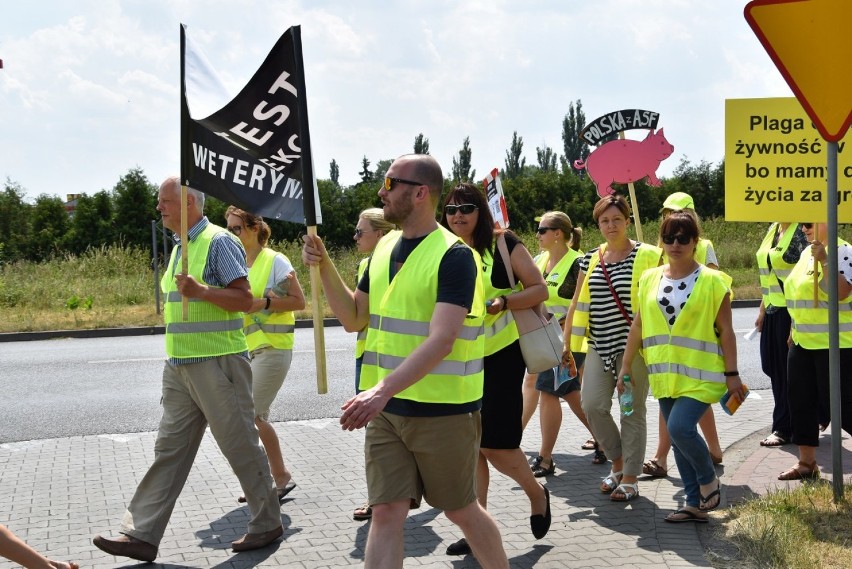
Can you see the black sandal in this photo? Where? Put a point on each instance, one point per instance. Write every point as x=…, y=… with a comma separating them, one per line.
x=540, y=471
x=600, y=456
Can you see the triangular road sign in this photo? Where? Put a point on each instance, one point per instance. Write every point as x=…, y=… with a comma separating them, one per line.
x=810, y=42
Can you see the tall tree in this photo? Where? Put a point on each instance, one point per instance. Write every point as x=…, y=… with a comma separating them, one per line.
x=514, y=162
x=546, y=159
x=14, y=223
x=334, y=171
x=461, y=166
x=382, y=167
x=421, y=144
x=574, y=147
x=365, y=173
x=91, y=224
x=50, y=223
x=134, y=200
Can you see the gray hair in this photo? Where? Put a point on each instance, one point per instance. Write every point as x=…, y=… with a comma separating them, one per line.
x=197, y=195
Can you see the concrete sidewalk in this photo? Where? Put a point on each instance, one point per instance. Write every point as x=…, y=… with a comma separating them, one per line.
x=57, y=494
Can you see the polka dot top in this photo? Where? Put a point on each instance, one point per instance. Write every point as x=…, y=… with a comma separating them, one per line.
x=844, y=261
x=673, y=293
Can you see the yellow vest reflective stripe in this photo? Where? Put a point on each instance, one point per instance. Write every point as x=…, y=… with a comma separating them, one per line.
x=361, y=336
x=810, y=324
x=647, y=257
x=555, y=304
x=500, y=328
x=400, y=314
x=772, y=279
x=686, y=359
x=209, y=330
x=274, y=329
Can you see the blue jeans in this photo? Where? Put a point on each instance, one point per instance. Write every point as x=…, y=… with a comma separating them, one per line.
x=691, y=453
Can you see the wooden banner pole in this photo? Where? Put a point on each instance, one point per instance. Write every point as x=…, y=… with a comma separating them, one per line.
x=317, y=313
x=634, y=205
x=184, y=247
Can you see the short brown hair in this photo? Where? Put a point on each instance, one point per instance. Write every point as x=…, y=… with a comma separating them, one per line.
x=614, y=200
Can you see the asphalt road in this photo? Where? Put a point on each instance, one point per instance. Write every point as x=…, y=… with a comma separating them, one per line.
x=74, y=387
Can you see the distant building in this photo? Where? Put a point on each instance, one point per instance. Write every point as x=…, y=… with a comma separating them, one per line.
x=71, y=203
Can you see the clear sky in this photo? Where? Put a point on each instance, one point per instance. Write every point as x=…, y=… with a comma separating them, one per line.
x=90, y=88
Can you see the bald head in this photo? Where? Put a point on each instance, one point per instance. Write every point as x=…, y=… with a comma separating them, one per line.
x=426, y=170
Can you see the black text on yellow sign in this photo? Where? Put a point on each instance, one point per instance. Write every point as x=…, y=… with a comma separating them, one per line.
x=776, y=164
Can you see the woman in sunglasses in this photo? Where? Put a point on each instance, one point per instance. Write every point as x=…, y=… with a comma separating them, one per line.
x=807, y=362
x=269, y=328
x=371, y=227
x=466, y=214
x=684, y=325
x=601, y=313
x=778, y=253
x=705, y=254
x=559, y=263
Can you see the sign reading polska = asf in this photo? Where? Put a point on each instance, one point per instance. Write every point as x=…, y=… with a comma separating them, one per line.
x=602, y=128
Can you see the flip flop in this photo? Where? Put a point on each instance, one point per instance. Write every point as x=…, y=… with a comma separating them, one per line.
x=710, y=496
x=282, y=492
x=588, y=445
x=688, y=517
x=362, y=513
x=611, y=481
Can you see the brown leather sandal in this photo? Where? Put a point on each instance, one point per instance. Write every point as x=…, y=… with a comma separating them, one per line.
x=802, y=471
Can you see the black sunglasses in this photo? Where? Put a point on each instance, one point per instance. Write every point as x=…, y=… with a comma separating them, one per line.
x=236, y=229
x=361, y=232
x=543, y=230
x=682, y=239
x=465, y=208
x=389, y=182
x=808, y=225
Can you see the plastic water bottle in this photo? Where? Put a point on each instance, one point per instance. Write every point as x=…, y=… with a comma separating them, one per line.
x=626, y=399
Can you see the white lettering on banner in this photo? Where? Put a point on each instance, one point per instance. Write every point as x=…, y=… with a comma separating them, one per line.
x=253, y=134
x=260, y=177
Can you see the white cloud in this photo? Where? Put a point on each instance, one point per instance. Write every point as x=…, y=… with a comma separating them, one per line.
x=94, y=83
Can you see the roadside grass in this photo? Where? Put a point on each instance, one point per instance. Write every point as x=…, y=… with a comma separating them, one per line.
x=113, y=286
x=801, y=528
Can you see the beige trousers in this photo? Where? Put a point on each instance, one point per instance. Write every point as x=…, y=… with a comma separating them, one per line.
x=596, y=396
x=218, y=392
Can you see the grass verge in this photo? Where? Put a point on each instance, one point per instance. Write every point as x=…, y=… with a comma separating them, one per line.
x=801, y=528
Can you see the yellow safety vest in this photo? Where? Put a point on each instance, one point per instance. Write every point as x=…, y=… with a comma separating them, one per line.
x=686, y=359
x=209, y=330
x=555, y=304
x=361, y=337
x=647, y=257
x=701, y=249
x=771, y=280
x=400, y=314
x=274, y=329
x=500, y=328
x=810, y=324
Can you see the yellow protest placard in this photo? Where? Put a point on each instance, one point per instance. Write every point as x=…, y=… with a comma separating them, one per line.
x=775, y=164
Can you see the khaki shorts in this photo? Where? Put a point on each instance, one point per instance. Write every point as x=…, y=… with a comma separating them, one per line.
x=269, y=367
x=409, y=458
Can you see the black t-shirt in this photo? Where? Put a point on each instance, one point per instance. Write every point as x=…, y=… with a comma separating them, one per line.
x=499, y=276
x=456, y=273
x=456, y=285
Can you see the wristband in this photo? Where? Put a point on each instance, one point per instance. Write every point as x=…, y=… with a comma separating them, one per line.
x=732, y=373
x=268, y=302
x=505, y=301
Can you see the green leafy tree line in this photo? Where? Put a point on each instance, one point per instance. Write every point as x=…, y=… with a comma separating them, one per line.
x=43, y=229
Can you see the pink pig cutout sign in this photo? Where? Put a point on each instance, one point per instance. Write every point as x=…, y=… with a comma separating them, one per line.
x=626, y=161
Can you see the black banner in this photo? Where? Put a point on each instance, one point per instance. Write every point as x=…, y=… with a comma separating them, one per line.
x=602, y=128
x=254, y=152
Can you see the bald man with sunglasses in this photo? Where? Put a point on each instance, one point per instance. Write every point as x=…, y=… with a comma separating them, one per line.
x=421, y=380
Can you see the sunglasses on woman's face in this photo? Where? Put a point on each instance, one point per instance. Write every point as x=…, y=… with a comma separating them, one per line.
x=543, y=230
x=465, y=209
x=808, y=225
x=682, y=239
